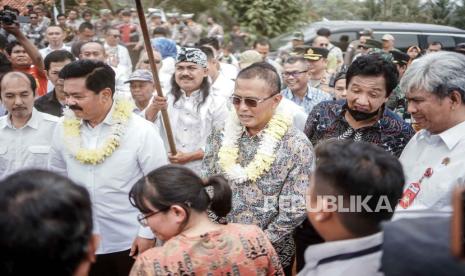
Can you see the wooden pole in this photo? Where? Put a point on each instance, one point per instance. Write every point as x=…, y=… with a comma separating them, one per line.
x=148, y=48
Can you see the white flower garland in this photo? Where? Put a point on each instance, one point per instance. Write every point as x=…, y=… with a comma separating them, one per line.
x=72, y=133
x=265, y=155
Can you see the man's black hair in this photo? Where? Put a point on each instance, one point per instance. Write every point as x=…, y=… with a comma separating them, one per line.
x=11, y=45
x=61, y=14
x=261, y=41
x=374, y=65
x=57, y=56
x=263, y=71
x=98, y=75
x=160, y=31
x=212, y=41
x=85, y=25
x=323, y=32
x=45, y=218
x=208, y=52
x=346, y=168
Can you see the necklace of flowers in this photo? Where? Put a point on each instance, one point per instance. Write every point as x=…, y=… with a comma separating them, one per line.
x=265, y=155
x=72, y=133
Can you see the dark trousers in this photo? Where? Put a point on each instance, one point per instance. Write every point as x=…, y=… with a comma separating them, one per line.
x=304, y=236
x=112, y=264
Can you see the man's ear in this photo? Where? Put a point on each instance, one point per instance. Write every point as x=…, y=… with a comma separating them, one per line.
x=456, y=99
x=106, y=93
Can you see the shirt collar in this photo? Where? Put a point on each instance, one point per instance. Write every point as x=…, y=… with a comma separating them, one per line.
x=450, y=137
x=316, y=253
x=196, y=93
x=32, y=123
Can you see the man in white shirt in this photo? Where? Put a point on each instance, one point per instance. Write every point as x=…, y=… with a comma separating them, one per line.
x=118, y=55
x=220, y=84
x=354, y=188
x=25, y=133
x=142, y=87
x=434, y=158
x=55, y=37
x=95, y=51
x=102, y=145
x=193, y=110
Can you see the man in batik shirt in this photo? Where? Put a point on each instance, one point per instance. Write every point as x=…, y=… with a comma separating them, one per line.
x=362, y=116
x=266, y=160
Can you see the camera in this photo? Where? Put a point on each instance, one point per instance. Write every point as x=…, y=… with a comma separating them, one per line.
x=8, y=16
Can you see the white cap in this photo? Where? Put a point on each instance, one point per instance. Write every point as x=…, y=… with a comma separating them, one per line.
x=388, y=37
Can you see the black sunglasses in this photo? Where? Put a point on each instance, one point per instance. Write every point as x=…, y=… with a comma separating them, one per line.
x=250, y=102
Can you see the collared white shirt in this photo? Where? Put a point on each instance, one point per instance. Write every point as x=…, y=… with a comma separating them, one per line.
x=361, y=257
x=444, y=153
x=26, y=147
x=141, y=150
x=222, y=86
x=45, y=51
x=122, y=53
x=297, y=112
x=192, y=125
x=228, y=70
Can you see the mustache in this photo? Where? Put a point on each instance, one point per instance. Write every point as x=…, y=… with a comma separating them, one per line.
x=185, y=77
x=75, y=107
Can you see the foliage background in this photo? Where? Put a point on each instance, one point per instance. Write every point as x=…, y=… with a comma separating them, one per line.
x=273, y=17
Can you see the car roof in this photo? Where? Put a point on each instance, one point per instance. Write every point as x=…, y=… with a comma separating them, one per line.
x=384, y=25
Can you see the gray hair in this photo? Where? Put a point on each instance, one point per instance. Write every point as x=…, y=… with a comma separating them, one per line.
x=438, y=73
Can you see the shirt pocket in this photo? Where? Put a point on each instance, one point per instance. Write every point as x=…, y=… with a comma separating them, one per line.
x=38, y=156
x=3, y=159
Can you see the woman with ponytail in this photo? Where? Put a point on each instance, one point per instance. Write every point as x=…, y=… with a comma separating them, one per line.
x=173, y=202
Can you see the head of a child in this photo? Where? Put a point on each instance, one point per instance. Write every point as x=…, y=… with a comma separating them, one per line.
x=355, y=187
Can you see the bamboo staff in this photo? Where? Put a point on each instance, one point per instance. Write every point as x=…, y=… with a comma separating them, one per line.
x=148, y=47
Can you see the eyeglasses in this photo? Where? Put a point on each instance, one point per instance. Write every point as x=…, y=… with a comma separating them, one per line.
x=116, y=36
x=362, y=47
x=250, y=102
x=294, y=74
x=324, y=45
x=142, y=219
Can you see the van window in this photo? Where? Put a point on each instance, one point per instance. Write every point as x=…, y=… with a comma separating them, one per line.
x=402, y=41
x=446, y=41
x=335, y=39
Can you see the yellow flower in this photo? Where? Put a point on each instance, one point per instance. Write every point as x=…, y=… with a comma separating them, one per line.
x=121, y=114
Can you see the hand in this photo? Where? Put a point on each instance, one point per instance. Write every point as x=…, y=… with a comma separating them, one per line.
x=180, y=158
x=159, y=103
x=12, y=29
x=139, y=245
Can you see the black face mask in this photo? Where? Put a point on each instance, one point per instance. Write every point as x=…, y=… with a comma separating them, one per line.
x=361, y=116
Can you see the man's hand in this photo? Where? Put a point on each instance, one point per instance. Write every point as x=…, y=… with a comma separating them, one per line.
x=180, y=158
x=139, y=245
x=158, y=103
x=12, y=29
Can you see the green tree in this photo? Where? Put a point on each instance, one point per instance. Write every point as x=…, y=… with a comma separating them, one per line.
x=267, y=17
x=458, y=15
x=440, y=11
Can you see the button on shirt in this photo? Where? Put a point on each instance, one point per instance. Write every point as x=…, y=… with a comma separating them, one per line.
x=26, y=147
x=361, y=257
x=313, y=97
x=444, y=153
x=192, y=125
x=141, y=150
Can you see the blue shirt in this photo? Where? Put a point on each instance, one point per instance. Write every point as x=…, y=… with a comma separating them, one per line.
x=313, y=97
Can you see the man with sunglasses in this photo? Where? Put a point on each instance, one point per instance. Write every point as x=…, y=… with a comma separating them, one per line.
x=266, y=160
x=296, y=77
x=118, y=55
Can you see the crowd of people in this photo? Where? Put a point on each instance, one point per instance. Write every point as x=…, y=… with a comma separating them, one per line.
x=318, y=162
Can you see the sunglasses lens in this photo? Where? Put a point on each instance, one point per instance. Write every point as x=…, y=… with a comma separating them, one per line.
x=250, y=102
x=236, y=100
